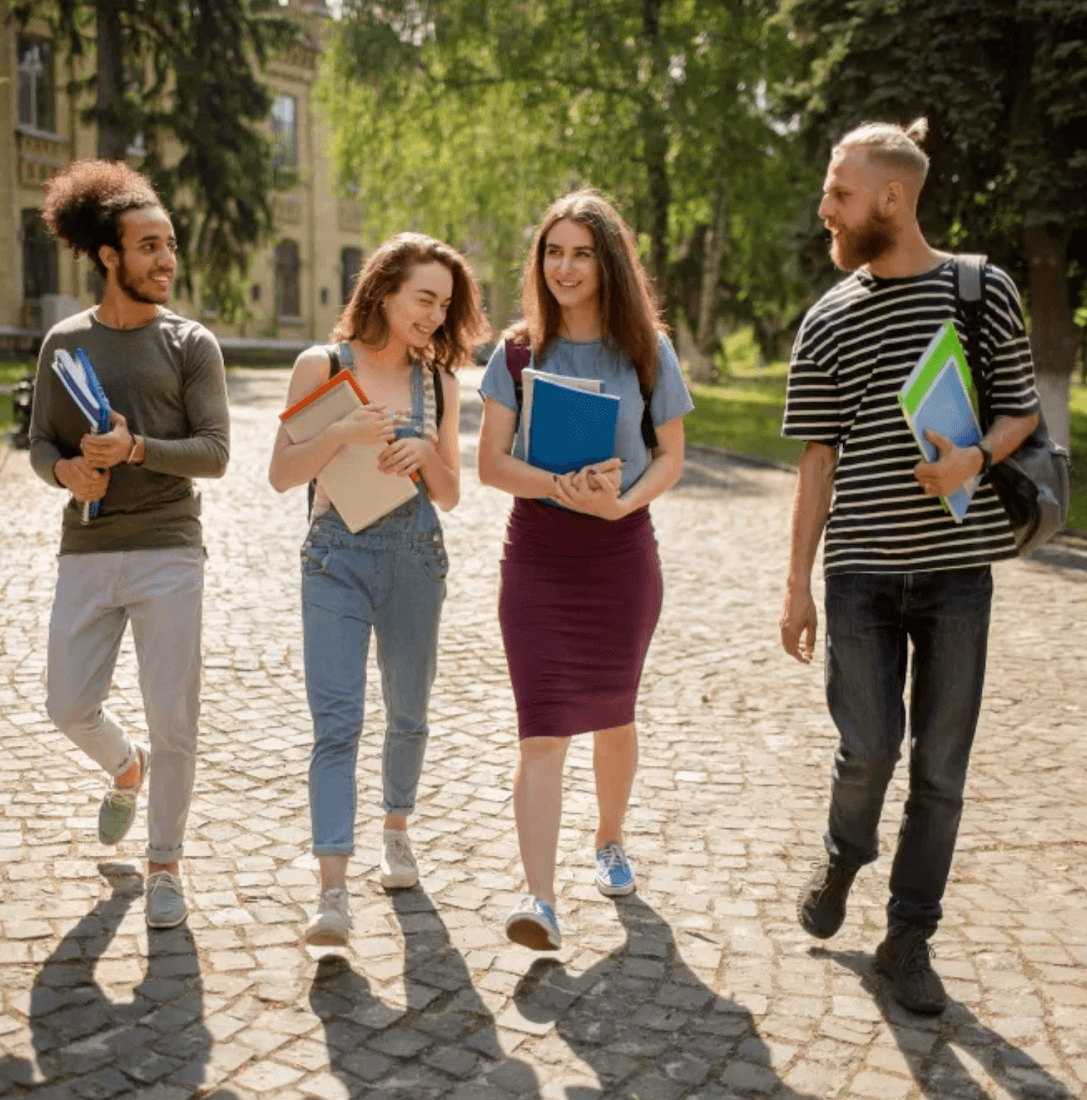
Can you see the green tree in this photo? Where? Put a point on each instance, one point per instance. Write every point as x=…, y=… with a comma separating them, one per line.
x=658, y=102
x=1004, y=85
x=175, y=71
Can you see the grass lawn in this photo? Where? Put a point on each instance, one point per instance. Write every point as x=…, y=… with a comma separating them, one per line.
x=1077, y=513
x=11, y=370
x=743, y=414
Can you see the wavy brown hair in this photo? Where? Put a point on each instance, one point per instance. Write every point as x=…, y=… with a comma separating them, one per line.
x=84, y=203
x=629, y=316
x=386, y=270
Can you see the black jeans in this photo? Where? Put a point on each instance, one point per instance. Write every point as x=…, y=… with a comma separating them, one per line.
x=870, y=619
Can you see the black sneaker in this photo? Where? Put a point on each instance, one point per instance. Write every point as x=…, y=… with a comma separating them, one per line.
x=906, y=958
x=821, y=905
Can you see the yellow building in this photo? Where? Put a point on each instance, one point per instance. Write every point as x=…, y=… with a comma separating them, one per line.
x=297, y=282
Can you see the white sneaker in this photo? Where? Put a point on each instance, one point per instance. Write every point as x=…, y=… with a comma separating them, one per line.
x=331, y=924
x=398, y=867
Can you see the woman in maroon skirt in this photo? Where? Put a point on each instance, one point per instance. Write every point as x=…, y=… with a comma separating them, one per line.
x=581, y=581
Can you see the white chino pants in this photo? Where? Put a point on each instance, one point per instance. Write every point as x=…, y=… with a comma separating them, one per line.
x=161, y=593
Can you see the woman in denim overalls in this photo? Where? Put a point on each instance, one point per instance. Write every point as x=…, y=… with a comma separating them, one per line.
x=415, y=307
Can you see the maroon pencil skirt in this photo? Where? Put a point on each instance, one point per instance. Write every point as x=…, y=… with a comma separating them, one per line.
x=578, y=603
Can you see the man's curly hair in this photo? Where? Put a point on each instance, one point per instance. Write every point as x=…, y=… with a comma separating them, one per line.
x=85, y=200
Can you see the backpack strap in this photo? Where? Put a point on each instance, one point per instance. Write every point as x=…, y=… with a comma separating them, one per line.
x=518, y=357
x=970, y=303
x=334, y=368
x=649, y=431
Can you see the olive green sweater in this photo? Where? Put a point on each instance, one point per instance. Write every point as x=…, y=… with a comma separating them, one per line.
x=167, y=379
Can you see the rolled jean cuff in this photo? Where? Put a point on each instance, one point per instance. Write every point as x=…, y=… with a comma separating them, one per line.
x=333, y=850
x=164, y=855
x=398, y=811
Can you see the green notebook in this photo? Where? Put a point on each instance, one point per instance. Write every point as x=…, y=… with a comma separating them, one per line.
x=939, y=396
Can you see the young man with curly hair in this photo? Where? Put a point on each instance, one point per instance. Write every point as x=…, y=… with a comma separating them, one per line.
x=141, y=559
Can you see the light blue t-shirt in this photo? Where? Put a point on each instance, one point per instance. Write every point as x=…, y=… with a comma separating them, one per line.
x=591, y=359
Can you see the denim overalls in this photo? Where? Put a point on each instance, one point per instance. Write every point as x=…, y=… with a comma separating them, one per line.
x=389, y=576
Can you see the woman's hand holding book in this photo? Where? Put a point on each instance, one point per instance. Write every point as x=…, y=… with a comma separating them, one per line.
x=367, y=424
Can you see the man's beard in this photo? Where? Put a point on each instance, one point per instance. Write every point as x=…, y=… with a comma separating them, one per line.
x=132, y=290
x=852, y=248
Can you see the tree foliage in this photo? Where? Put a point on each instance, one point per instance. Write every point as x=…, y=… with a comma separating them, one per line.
x=1004, y=85
x=181, y=76
x=469, y=116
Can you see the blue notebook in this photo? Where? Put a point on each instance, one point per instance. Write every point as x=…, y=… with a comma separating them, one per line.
x=937, y=396
x=570, y=428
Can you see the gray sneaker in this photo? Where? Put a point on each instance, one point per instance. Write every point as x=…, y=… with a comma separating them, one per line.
x=166, y=906
x=118, y=809
x=399, y=870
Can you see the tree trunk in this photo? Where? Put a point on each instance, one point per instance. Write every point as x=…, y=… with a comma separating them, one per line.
x=654, y=125
x=112, y=140
x=1052, y=336
x=712, y=255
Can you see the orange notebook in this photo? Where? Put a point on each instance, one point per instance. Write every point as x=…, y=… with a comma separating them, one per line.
x=360, y=492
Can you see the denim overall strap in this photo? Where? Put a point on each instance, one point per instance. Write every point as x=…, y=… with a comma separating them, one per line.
x=426, y=518
x=416, y=426
x=347, y=356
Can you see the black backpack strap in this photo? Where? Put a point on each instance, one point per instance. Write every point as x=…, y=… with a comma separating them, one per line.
x=970, y=303
x=334, y=368
x=649, y=431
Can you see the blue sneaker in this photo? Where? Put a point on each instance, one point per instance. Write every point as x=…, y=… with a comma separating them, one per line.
x=533, y=924
x=614, y=874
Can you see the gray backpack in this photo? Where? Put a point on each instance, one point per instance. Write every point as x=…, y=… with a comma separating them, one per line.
x=1032, y=482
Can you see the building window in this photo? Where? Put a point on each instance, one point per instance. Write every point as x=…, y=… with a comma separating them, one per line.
x=287, y=279
x=39, y=257
x=36, y=84
x=350, y=266
x=285, y=139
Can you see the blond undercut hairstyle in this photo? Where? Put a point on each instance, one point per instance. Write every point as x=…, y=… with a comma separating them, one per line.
x=897, y=148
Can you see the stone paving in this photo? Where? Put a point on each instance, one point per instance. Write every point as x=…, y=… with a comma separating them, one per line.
x=699, y=986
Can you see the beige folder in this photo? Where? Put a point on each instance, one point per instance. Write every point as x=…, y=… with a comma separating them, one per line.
x=360, y=492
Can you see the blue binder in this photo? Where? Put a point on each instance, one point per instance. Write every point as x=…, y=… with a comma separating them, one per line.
x=570, y=428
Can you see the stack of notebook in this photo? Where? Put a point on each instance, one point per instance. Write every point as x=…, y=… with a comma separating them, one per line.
x=567, y=423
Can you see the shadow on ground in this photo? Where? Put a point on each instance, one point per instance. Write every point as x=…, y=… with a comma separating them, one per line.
x=954, y=1054
x=1064, y=552
x=89, y=1046
x=646, y=1024
x=438, y=1035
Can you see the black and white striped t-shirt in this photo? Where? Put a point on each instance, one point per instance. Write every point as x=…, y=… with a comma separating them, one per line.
x=854, y=350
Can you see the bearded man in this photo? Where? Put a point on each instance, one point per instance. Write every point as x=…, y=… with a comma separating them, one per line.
x=900, y=572
x=141, y=560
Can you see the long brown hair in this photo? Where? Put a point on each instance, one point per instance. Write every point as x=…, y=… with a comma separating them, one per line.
x=629, y=316
x=386, y=270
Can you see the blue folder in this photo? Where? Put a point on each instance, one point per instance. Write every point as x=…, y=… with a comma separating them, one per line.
x=570, y=428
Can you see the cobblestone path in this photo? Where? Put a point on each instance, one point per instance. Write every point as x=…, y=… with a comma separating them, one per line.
x=700, y=986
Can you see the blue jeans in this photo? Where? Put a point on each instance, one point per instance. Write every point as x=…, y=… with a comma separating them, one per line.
x=871, y=618
x=390, y=577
